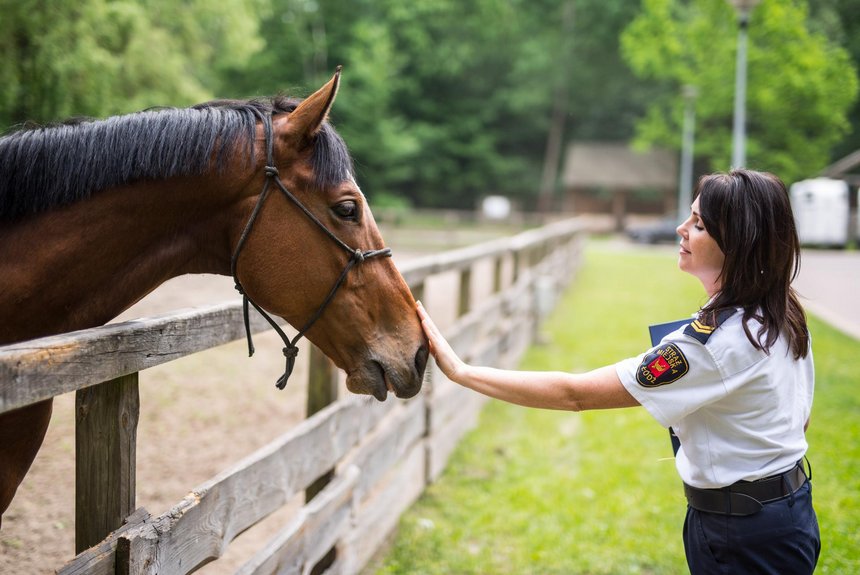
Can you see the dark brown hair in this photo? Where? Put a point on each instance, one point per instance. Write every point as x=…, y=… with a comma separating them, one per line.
x=749, y=215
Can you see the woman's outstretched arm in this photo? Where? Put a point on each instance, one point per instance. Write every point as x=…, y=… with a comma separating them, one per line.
x=598, y=389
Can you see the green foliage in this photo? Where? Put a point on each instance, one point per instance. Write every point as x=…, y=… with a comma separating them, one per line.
x=801, y=85
x=606, y=98
x=533, y=491
x=455, y=83
x=101, y=57
x=444, y=102
x=837, y=20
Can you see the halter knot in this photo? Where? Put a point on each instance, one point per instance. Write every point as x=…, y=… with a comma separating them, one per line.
x=271, y=172
x=290, y=352
x=358, y=256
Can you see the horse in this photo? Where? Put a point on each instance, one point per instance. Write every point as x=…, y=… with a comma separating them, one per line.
x=95, y=214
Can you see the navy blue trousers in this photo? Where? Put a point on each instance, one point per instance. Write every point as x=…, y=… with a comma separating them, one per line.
x=781, y=539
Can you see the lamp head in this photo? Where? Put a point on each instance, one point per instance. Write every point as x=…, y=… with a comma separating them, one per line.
x=743, y=7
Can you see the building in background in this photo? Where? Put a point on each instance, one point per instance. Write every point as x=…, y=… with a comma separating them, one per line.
x=612, y=179
x=848, y=170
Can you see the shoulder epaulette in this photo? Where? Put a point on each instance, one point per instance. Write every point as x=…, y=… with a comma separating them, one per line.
x=702, y=331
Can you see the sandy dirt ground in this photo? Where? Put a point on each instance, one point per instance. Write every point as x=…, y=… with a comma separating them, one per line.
x=198, y=416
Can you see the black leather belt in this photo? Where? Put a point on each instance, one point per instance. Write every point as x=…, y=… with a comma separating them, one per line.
x=746, y=497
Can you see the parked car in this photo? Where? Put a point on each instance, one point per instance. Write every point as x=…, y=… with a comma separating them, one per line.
x=655, y=233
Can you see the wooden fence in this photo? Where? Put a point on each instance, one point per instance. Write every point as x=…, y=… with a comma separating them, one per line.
x=360, y=464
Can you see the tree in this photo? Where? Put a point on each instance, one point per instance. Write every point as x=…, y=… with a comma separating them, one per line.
x=476, y=117
x=837, y=20
x=800, y=84
x=437, y=105
x=100, y=57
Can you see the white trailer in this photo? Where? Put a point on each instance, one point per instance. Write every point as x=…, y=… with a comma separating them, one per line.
x=821, y=211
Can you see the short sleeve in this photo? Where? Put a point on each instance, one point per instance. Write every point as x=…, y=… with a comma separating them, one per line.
x=673, y=379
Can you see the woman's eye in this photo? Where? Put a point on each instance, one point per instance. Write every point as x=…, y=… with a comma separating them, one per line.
x=347, y=210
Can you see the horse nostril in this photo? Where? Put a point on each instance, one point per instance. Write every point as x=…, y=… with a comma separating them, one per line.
x=421, y=359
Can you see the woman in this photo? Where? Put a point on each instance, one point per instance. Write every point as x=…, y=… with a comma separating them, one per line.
x=735, y=384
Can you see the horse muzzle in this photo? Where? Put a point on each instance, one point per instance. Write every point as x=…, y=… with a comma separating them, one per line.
x=377, y=377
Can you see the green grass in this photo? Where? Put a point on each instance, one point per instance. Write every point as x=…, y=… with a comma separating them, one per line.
x=834, y=447
x=543, y=492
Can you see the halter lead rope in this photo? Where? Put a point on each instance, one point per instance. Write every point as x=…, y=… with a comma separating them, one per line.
x=357, y=256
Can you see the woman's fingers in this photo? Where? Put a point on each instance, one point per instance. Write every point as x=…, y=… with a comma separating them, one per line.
x=429, y=327
x=441, y=350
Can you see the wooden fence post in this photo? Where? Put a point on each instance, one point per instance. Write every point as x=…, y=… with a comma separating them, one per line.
x=106, y=418
x=464, y=302
x=418, y=291
x=322, y=391
x=516, y=266
x=498, y=264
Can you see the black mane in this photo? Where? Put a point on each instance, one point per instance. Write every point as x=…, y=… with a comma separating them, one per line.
x=45, y=167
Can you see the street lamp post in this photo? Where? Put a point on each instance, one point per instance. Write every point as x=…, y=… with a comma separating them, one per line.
x=685, y=185
x=743, y=8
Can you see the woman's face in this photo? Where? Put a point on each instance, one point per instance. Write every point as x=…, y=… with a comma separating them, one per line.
x=700, y=255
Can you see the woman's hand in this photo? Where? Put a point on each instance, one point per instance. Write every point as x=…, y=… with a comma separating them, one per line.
x=446, y=358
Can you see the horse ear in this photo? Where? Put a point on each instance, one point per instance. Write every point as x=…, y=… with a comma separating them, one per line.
x=306, y=120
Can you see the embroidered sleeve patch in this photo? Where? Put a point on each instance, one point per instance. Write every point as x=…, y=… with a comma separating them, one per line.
x=665, y=364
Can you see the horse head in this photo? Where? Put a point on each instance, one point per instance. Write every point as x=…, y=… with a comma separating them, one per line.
x=312, y=254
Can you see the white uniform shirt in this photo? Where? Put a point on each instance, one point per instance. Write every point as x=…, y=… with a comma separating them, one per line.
x=738, y=411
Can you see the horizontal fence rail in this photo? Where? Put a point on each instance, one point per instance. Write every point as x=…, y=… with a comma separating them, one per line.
x=360, y=464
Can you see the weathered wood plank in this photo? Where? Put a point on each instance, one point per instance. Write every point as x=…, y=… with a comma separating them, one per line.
x=471, y=329
x=448, y=405
x=378, y=514
x=38, y=369
x=106, y=417
x=100, y=559
x=388, y=444
x=447, y=434
x=311, y=533
x=200, y=527
x=418, y=270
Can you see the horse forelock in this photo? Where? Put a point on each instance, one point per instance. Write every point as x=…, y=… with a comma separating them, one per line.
x=45, y=167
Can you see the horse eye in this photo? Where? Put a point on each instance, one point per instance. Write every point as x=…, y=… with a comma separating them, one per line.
x=347, y=210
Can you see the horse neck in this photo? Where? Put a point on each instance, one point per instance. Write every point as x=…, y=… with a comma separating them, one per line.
x=82, y=265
